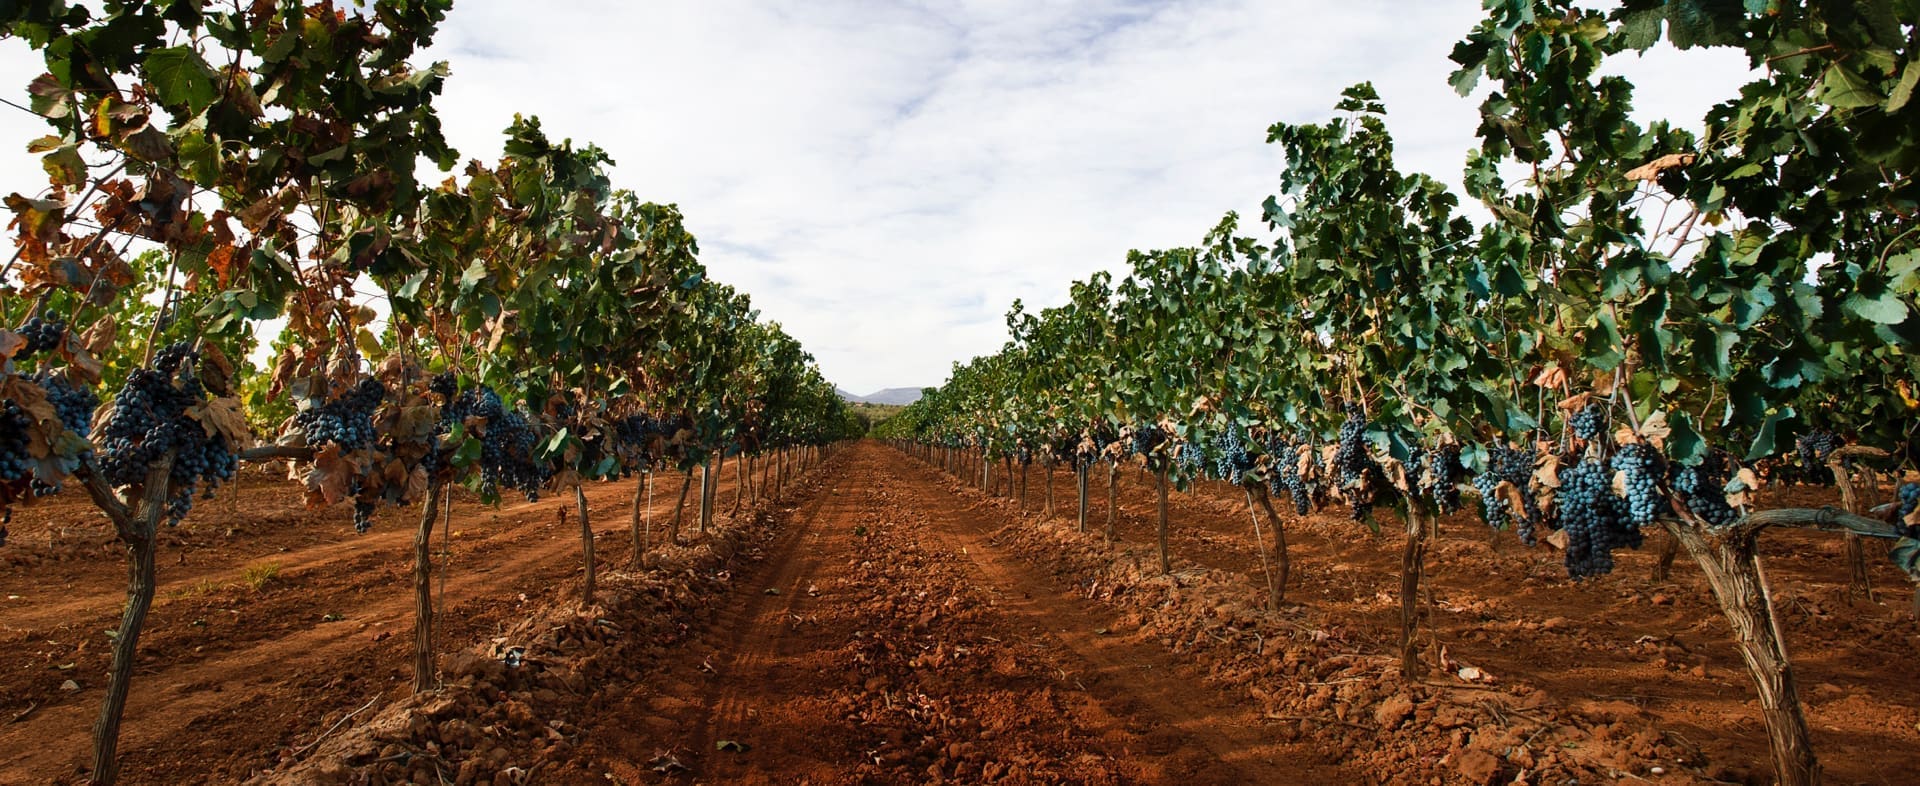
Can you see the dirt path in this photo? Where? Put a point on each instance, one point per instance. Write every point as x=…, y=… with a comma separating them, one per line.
x=883, y=641
x=270, y=622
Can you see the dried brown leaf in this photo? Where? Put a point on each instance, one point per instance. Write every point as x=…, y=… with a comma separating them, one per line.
x=1652, y=169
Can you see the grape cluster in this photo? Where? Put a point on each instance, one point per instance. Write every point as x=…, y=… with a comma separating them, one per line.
x=1359, y=473
x=346, y=421
x=1813, y=448
x=75, y=405
x=1231, y=462
x=1909, y=499
x=363, y=507
x=14, y=424
x=638, y=431
x=1440, y=471
x=41, y=335
x=1703, y=489
x=1586, y=423
x=1286, y=472
x=1188, y=457
x=149, y=419
x=1098, y=439
x=507, y=442
x=1146, y=438
x=1515, y=466
x=1594, y=519
x=1639, y=467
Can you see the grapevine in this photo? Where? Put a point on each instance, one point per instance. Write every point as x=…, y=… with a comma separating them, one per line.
x=346, y=422
x=1286, y=476
x=1359, y=473
x=1813, y=448
x=150, y=418
x=1702, y=488
x=1231, y=462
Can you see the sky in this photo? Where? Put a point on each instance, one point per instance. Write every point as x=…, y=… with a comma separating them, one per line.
x=885, y=178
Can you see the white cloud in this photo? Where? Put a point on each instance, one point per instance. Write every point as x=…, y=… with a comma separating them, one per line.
x=886, y=179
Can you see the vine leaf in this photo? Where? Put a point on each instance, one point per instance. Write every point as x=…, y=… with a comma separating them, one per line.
x=1651, y=170
x=64, y=166
x=1903, y=90
x=222, y=417
x=44, y=424
x=1841, y=88
x=329, y=478
x=1883, y=308
x=180, y=77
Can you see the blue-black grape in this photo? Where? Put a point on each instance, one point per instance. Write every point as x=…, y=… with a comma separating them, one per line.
x=1587, y=422
x=1703, y=489
x=41, y=335
x=1440, y=472
x=1514, y=466
x=1286, y=476
x=346, y=421
x=1231, y=461
x=149, y=419
x=1813, y=448
x=507, y=442
x=1639, y=467
x=1359, y=474
x=1909, y=499
x=1594, y=519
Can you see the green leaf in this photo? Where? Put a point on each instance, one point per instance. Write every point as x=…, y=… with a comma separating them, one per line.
x=1841, y=88
x=1603, y=347
x=467, y=453
x=180, y=77
x=1903, y=90
x=1884, y=308
x=1464, y=79
x=475, y=273
x=1684, y=445
x=1764, y=442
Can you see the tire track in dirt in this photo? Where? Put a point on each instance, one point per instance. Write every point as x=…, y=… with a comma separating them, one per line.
x=755, y=630
x=897, y=651
x=1139, y=678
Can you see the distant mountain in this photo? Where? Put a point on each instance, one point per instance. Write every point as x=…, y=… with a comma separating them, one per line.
x=894, y=396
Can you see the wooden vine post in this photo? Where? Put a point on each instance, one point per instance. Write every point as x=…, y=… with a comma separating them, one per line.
x=1080, y=493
